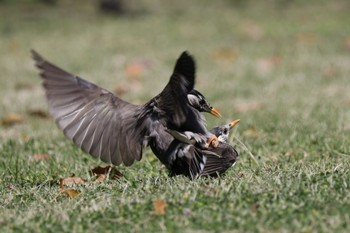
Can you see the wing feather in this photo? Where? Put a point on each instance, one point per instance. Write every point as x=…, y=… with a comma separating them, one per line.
x=219, y=159
x=100, y=123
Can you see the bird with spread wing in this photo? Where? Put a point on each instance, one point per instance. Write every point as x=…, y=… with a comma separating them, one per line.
x=116, y=131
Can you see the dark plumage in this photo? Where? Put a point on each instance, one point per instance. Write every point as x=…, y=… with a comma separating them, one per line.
x=222, y=157
x=216, y=159
x=116, y=131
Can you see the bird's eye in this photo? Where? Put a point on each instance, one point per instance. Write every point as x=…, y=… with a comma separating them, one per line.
x=225, y=131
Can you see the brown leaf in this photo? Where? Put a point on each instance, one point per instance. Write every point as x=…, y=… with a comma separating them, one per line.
x=71, y=181
x=108, y=170
x=101, y=178
x=225, y=54
x=38, y=113
x=12, y=119
x=39, y=157
x=159, y=207
x=134, y=70
x=71, y=192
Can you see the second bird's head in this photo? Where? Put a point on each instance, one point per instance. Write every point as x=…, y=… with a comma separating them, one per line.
x=222, y=132
x=198, y=101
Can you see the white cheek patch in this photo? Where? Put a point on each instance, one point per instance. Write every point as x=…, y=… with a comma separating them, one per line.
x=193, y=100
x=221, y=138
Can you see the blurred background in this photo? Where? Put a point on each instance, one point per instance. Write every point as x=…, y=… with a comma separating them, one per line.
x=282, y=66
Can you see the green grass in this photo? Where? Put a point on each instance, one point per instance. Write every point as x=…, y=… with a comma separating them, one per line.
x=284, y=73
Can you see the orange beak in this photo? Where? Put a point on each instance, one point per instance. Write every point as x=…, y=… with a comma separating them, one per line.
x=233, y=123
x=215, y=112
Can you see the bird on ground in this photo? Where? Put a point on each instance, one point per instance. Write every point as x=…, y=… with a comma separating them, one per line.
x=116, y=131
x=214, y=160
x=223, y=156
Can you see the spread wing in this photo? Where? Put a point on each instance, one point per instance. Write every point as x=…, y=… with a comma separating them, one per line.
x=100, y=123
x=173, y=99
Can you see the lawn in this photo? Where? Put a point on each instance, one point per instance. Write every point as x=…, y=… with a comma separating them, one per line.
x=282, y=67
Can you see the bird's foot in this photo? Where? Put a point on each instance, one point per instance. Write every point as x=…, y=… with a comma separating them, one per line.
x=213, y=141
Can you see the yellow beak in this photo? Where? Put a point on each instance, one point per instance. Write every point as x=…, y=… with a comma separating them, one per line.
x=215, y=112
x=233, y=123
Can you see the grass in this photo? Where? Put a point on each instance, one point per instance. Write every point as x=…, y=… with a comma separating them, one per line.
x=281, y=67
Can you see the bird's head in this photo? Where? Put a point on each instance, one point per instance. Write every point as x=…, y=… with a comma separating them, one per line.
x=222, y=132
x=198, y=101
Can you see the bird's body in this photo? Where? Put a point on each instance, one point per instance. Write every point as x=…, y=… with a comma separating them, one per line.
x=116, y=131
x=222, y=157
x=216, y=159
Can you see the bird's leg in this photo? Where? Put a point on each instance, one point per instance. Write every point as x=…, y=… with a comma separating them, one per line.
x=212, y=141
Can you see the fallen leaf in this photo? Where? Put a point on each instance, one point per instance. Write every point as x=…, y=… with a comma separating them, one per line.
x=71, y=181
x=112, y=172
x=39, y=157
x=100, y=170
x=101, y=178
x=225, y=54
x=134, y=70
x=38, y=113
x=71, y=192
x=12, y=119
x=159, y=207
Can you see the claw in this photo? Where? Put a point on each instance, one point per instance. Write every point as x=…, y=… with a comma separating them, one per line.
x=213, y=141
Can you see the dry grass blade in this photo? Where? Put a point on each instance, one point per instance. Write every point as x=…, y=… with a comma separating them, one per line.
x=247, y=150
